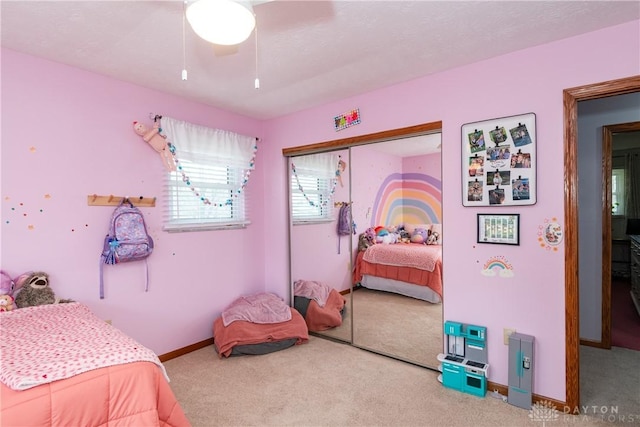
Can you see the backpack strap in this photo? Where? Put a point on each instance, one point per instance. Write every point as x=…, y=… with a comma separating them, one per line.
x=146, y=276
x=101, y=278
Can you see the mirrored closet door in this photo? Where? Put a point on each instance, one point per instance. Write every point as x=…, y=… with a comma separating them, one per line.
x=320, y=258
x=392, y=183
x=396, y=194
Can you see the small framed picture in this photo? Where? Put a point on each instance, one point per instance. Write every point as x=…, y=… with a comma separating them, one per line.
x=502, y=229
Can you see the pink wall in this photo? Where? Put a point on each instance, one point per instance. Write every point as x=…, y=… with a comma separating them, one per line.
x=530, y=80
x=369, y=168
x=67, y=133
x=429, y=164
x=79, y=125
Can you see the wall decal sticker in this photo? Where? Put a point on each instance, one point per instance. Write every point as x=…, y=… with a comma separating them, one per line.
x=345, y=120
x=24, y=211
x=550, y=234
x=408, y=198
x=497, y=266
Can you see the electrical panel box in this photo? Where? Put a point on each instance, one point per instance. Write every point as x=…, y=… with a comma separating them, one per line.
x=521, y=361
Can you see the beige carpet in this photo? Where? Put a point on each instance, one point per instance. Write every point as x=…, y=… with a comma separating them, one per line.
x=392, y=324
x=325, y=383
x=610, y=383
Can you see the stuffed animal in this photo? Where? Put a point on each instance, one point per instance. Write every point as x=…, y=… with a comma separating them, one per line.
x=390, y=238
x=364, y=242
x=370, y=233
x=6, y=303
x=404, y=236
x=8, y=287
x=419, y=235
x=157, y=142
x=380, y=233
x=433, y=238
x=36, y=291
x=7, y=284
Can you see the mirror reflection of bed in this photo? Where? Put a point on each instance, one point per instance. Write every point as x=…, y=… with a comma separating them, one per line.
x=397, y=304
x=387, y=184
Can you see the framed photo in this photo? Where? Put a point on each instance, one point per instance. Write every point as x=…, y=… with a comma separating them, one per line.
x=499, y=162
x=503, y=229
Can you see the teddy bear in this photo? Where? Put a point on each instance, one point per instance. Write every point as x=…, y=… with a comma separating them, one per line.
x=6, y=302
x=36, y=291
x=157, y=142
x=433, y=238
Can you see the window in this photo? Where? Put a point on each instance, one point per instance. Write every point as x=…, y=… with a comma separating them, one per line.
x=313, y=181
x=617, y=192
x=207, y=189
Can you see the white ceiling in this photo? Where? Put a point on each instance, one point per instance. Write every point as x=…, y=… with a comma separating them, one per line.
x=309, y=52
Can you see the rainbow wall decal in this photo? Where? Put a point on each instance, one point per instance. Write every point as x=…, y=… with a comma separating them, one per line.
x=497, y=266
x=412, y=198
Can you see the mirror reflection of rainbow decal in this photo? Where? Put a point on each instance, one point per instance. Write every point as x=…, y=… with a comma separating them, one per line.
x=408, y=198
x=497, y=266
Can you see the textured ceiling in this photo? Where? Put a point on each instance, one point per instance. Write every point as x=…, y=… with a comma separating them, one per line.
x=309, y=52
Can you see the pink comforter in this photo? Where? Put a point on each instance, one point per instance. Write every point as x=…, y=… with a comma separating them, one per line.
x=423, y=257
x=432, y=279
x=135, y=394
x=63, y=366
x=56, y=341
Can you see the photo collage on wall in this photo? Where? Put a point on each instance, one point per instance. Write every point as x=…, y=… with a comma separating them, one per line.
x=499, y=162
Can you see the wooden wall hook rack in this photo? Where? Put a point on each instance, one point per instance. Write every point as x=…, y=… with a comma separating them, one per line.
x=111, y=200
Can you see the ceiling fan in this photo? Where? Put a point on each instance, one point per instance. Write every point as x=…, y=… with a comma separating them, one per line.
x=223, y=23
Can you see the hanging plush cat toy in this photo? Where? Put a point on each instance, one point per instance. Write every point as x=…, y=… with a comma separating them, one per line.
x=157, y=142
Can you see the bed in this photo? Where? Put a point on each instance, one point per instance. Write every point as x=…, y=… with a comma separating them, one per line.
x=409, y=269
x=62, y=365
x=321, y=306
x=258, y=324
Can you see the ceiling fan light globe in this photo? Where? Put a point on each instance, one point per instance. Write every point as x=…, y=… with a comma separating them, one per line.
x=223, y=22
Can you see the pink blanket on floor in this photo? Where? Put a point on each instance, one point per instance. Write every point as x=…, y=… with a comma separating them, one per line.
x=423, y=257
x=51, y=342
x=244, y=333
x=326, y=317
x=259, y=308
x=317, y=291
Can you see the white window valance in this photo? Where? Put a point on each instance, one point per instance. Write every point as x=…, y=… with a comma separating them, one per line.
x=219, y=145
x=322, y=165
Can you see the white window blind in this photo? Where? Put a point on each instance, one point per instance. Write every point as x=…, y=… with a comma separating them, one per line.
x=207, y=191
x=313, y=181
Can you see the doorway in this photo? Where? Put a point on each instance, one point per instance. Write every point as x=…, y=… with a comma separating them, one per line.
x=607, y=230
x=572, y=332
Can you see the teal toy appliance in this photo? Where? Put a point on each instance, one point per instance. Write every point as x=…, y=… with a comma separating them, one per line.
x=464, y=367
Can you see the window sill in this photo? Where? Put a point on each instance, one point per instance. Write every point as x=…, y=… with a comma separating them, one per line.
x=313, y=221
x=203, y=227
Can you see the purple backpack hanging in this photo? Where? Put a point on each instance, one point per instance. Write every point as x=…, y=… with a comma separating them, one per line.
x=345, y=226
x=127, y=240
